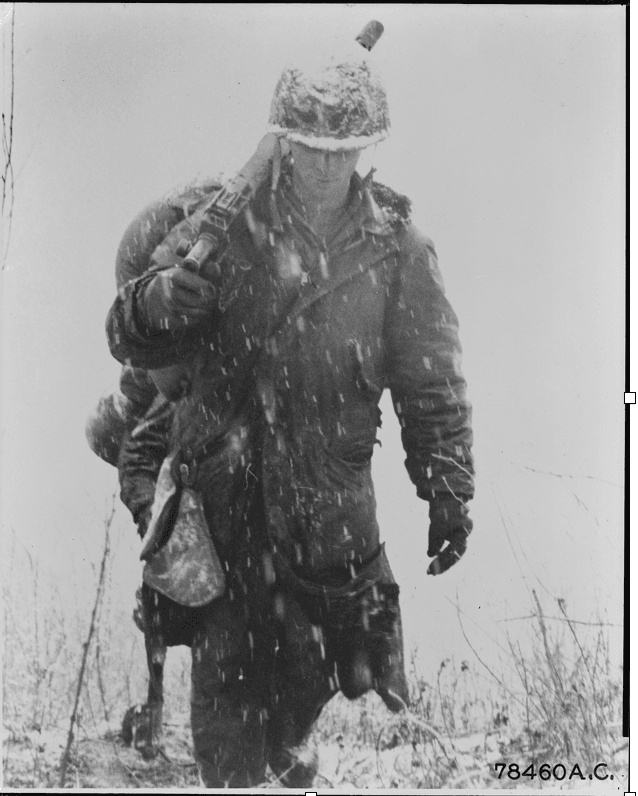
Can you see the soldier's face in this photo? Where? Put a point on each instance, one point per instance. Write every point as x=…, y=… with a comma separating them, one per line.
x=322, y=172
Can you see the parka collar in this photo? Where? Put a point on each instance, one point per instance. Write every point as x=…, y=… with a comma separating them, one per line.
x=365, y=215
x=374, y=219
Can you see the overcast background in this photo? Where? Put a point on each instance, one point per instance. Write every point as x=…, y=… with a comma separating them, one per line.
x=508, y=135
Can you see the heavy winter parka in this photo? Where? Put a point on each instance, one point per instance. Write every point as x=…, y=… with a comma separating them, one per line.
x=286, y=378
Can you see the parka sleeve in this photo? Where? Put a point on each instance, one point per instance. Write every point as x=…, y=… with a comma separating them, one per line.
x=137, y=386
x=141, y=456
x=139, y=256
x=147, y=230
x=132, y=343
x=425, y=378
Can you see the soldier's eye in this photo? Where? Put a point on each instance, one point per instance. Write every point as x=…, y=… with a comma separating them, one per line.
x=337, y=119
x=306, y=117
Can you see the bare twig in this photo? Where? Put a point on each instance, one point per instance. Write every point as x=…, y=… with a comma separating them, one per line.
x=498, y=680
x=409, y=716
x=528, y=724
x=127, y=769
x=438, y=686
x=502, y=510
x=451, y=753
x=100, y=683
x=98, y=596
x=378, y=756
x=566, y=475
x=98, y=665
x=326, y=779
x=561, y=606
x=7, y=143
x=561, y=619
x=558, y=685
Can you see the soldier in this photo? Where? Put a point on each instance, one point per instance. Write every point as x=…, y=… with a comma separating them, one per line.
x=326, y=295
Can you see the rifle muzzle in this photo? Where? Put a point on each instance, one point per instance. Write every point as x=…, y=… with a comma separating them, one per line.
x=201, y=252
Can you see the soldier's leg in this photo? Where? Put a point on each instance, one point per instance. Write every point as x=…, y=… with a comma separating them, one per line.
x=228, y=699
x=303, y=686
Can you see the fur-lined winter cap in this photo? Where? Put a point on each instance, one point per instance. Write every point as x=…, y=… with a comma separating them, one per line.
x=338, y=107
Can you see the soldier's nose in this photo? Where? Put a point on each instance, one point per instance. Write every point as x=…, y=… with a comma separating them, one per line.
x=324, y=163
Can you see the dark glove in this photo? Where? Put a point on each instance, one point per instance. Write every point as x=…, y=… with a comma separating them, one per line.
x=449, y=522
x=176, y=298
x=143, y=519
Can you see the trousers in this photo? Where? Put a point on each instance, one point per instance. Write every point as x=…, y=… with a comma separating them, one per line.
x=270, y=653
x=259, y=684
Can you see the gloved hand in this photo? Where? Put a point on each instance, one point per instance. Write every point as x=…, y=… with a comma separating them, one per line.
x=143, y=519
x=449, y=522
x=176, y=298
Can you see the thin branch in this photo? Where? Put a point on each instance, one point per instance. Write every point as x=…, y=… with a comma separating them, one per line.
x=561, y=619
x=585, y=662
x=13, y=28
x=319, y=774
x=566, y=475
x=500, y=682
x=507, y=533
x=98, y=596
x=7, y=144
x=494, y=641
x=378, y=757
x=129, y=771
x=438, y=685
x=500, y=511
x=548, y=654
x=452, y=754
x=100, y=682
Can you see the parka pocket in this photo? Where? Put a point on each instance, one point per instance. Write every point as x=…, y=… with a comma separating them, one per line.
x=357, y=454
x=362, y=376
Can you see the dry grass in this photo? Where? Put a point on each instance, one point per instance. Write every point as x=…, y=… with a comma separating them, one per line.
x=555, y=698
x=557, y=702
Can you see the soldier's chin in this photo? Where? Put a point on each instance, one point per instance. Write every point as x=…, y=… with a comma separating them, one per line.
x=325, y=185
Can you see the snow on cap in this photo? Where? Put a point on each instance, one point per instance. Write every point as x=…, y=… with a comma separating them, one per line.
x=334, y=106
